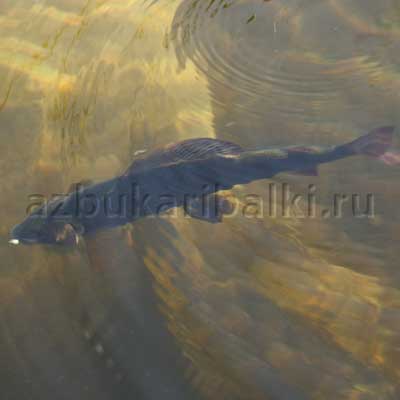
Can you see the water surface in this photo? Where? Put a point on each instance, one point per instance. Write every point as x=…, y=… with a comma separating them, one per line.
x=269, y=307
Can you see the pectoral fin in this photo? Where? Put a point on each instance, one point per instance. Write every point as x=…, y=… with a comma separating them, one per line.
x=209, y=208
x=67, y=235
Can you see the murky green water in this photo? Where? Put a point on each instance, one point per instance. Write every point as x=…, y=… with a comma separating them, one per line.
x=270, y=307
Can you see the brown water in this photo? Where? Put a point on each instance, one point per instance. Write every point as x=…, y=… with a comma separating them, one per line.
x=270, y=307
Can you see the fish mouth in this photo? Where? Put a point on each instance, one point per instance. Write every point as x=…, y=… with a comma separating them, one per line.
x=18, y=235
x=16, y=241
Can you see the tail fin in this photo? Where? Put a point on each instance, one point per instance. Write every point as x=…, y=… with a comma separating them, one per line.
x=376, y=144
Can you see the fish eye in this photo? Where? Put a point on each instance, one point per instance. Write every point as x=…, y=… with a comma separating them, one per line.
x=35, y=225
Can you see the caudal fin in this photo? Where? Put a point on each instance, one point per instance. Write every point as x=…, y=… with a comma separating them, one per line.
x=376, y=144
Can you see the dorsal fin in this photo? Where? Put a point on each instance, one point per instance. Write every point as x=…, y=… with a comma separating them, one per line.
x=187, y=150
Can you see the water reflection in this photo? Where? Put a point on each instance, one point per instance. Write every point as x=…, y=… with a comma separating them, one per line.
x=277, y=64
x=250, y=309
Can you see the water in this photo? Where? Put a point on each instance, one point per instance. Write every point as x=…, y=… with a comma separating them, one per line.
x=270, y=307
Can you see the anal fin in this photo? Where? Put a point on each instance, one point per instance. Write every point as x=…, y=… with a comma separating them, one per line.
x=308, y=171
x=210, y=208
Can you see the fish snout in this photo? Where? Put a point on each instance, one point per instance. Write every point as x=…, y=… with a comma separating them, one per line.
x=14, y=237
x=17, y=237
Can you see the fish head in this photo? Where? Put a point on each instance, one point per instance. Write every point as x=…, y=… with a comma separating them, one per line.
x=41, y=227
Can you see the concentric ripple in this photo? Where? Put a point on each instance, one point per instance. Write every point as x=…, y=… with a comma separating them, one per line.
x=265, y=53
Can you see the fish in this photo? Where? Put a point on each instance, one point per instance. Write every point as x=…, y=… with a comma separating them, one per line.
x=189, y=175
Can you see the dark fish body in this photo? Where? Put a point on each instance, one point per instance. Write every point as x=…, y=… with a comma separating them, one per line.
x=182, y=175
